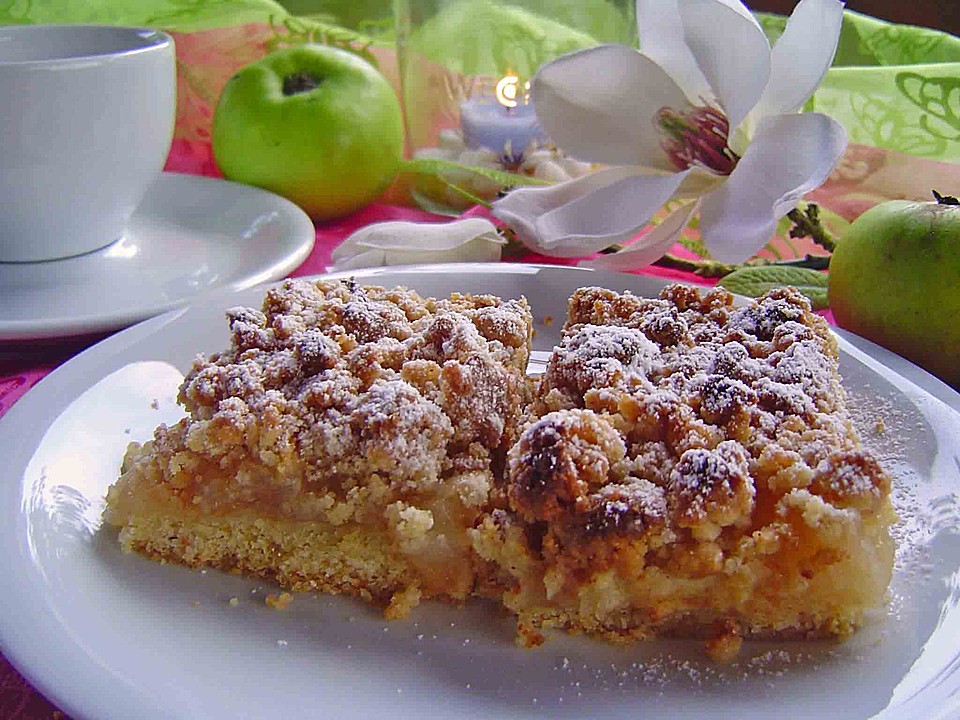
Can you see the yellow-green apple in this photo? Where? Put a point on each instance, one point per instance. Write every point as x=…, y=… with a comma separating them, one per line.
x=318, y=125
x=895, y=279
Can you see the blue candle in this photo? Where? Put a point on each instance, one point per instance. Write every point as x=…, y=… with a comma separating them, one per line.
x=508, y=130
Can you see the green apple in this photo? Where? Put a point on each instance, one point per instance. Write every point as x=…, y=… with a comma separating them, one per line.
x=895, y=279
x=318, y=125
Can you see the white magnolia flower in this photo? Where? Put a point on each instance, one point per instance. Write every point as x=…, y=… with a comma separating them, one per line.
x=410, y=243
x=705, y=113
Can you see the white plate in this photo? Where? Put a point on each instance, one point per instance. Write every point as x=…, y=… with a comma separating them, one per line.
x=107, y=635
x=190, y=235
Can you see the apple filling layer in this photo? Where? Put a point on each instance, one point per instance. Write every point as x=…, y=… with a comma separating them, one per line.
x=683, y=467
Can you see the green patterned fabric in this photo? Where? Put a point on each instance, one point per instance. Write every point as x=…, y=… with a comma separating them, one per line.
x=190, y=16
x=895, y=87
x=478, y=37
x=913, y=109
x=171, y=15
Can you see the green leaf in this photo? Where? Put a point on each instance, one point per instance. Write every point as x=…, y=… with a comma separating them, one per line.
x=439, y=168
x=755, y=281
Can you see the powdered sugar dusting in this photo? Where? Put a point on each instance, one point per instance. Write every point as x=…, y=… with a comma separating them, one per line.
x=595, y=356
x=712, y=486
x=754, y=377
x=357, y=380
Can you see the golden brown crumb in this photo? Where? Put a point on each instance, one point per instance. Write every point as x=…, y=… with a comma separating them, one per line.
x=559, y=460
x=278, y=602
x=402, y=603
x=725, y=645
x=529, y=637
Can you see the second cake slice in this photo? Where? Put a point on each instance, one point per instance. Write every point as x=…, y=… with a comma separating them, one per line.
x=690, y=468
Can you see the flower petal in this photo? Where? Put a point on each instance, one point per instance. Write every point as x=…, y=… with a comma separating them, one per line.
x=731, y=51
x=521, y=208
x=649, y=247
x=395, y=243
x=802, y=56
x=370, y=258
x=413, y=236
x=661, y=35
x=698, y=183
x=790, y=155
x=478, y=249
x=598, y=105
x=587, y=214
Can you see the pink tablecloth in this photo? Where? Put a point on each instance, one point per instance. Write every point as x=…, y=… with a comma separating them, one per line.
x=21, y=369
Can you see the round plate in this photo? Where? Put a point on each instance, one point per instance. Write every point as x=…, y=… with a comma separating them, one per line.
x=189, y=235
x=108, y=635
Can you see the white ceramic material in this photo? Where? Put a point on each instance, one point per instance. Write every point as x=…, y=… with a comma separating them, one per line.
x=87, y=116
x=113, y=636
x=188, y=236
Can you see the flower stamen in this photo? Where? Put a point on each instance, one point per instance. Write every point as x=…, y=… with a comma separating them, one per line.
x=697, y=137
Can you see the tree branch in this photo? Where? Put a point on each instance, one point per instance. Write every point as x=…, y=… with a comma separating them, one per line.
x=703, y=268
x=806, y=223
x=715, y=269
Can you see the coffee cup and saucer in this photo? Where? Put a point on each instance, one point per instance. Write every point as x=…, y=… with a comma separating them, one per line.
x=93, y=234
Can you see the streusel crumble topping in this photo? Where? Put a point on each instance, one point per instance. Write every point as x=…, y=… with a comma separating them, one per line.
x=332, y=383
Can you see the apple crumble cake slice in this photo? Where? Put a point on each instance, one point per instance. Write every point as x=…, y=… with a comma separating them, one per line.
x=345, y=442
x=690, y=468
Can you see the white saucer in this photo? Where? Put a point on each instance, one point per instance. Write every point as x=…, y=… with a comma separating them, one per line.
x=190, y=235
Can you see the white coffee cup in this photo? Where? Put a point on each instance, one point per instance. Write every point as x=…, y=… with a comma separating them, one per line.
x=86, y=121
